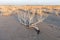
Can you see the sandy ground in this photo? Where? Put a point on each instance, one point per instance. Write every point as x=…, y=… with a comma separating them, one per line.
x=11, y=29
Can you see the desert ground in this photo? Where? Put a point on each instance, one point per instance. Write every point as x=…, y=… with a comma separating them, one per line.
x=11, y=29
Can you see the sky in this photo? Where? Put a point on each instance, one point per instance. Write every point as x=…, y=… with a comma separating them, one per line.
x=29, y=2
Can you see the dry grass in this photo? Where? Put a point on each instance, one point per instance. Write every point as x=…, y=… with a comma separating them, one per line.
x=8, y=9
